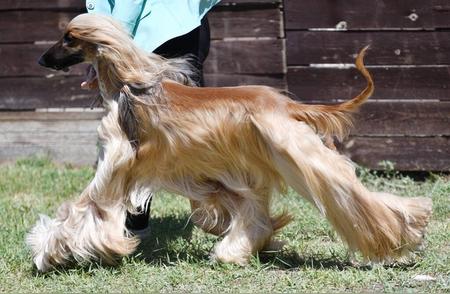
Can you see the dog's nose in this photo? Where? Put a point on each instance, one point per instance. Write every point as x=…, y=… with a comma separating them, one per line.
x=42, y=62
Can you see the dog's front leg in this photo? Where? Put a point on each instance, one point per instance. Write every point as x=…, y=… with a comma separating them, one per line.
x=93, y=226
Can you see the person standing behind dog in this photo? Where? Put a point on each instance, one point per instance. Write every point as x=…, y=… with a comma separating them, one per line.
x=170, y=28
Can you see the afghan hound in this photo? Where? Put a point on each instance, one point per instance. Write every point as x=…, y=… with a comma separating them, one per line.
x=228, y=150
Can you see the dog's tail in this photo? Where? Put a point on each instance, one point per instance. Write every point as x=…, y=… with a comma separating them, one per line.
x=334, y=120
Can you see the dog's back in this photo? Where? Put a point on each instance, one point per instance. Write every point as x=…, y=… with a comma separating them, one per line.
x=327, y=120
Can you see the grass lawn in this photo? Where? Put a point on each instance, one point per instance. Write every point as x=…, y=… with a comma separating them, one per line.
x=175, y=258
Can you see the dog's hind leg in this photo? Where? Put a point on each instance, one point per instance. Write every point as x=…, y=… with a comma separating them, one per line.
x=213, y=218
x=380, y=226
x=249, y=227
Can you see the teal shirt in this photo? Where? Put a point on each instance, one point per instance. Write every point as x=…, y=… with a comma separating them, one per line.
x=153, y=22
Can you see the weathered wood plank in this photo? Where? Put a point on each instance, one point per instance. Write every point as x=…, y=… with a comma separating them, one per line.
x=229, y=22
x=228, y=80
x=400, y=118
x=406, y=47
x=235, y=56
x=13, y=130
x=246, y=57
x=68, y=141
x=64, y=91
x=73, y=140
x=21, y=60
x=237, y=22
x=42, y=4
x=329, y=84
x=12, y=116
x=42, y=92
x=79, y=5
x=256, y=2
x=368, y=14
x=374, y=118
x=30, y=26
x=407, y=153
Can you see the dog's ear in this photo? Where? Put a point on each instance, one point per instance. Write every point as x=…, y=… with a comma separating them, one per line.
x=127, y=116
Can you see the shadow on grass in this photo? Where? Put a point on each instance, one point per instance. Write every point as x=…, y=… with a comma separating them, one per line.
x=159, y=249
x=291, y=260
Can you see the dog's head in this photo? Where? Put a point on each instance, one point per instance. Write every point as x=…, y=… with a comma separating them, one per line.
x=83, y=41
x=100, y=39
x=66, y=52
x=127, y=74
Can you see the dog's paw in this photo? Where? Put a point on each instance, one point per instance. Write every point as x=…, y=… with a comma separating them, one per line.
x=225, y=254
x=39, y=239
x=215, y=259
x=46, y=242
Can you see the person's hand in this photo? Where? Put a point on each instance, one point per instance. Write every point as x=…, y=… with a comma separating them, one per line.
x=91, y=82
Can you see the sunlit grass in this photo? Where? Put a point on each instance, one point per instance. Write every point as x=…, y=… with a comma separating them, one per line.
x=176, y=257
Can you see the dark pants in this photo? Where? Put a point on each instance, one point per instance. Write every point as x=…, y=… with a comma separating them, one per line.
x=196, y=44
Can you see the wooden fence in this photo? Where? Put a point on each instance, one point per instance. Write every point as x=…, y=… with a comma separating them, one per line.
x=408, y=118
x=304, y=46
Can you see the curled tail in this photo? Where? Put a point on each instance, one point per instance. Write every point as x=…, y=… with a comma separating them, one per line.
x=362, y=97
x=334, y=120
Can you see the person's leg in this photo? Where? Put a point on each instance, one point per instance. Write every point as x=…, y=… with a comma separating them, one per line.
x=196, y=44
x=138, y=223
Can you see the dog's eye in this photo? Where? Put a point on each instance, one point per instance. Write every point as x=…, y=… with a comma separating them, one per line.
x=68, y=39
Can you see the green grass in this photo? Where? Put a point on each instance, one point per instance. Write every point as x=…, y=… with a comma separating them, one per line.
x=176, y=257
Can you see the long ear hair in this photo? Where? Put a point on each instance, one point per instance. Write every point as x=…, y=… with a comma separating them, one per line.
x=128, y=63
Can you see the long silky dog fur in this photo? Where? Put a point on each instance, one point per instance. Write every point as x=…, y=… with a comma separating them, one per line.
x=228, y=150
